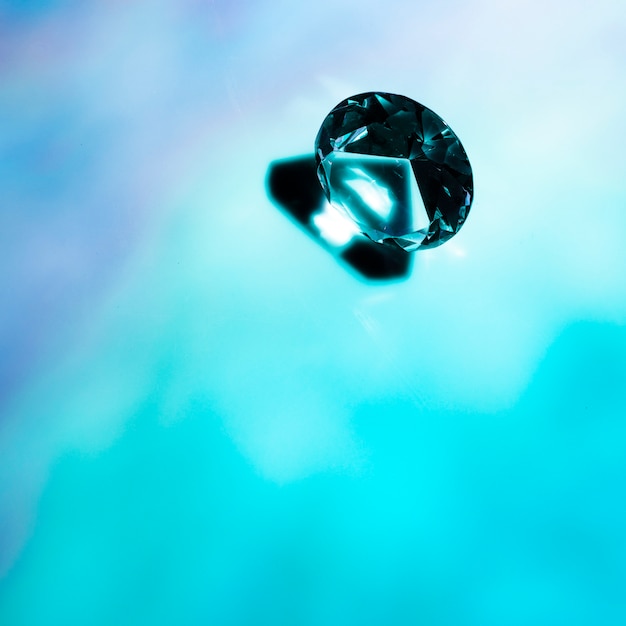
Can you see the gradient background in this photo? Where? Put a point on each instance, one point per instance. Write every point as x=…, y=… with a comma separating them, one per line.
x=206, y=420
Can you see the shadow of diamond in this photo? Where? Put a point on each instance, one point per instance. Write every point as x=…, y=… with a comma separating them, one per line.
x=292, y=185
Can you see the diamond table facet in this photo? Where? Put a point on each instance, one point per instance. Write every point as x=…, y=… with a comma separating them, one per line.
x=396, y=169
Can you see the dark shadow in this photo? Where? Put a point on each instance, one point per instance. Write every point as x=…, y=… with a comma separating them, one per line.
x=293, y=186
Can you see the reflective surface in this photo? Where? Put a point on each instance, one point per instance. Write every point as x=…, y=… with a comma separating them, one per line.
x=206, y=419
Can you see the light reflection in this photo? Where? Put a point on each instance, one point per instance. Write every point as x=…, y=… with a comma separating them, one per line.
x=374, y=196
x=334, y=227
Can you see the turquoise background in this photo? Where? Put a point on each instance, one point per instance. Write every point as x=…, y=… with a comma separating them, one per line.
x=205, y=419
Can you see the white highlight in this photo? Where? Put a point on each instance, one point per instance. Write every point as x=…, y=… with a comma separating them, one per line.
x=374, y=196
x=334, y=227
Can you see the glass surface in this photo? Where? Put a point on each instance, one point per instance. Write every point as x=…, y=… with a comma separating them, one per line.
x=209, y=418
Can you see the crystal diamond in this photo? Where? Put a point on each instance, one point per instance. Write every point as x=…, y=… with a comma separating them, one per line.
x=396, y=169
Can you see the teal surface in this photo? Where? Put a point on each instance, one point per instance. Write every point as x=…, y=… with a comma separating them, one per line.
x=205, y=419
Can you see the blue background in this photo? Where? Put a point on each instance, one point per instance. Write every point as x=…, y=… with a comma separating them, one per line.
x=204, y=419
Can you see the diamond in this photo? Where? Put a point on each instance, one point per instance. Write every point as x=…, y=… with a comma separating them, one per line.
x=396, y=169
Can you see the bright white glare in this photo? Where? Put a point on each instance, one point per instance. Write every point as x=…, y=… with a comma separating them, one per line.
x=333, y=226
x=374, y=196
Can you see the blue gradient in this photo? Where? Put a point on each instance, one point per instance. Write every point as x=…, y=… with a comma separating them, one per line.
x=204, y=419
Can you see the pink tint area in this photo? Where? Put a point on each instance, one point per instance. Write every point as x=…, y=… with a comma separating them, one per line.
x=107, y=111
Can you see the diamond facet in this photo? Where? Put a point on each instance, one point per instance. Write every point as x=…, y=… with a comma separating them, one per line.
x=396, y=169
